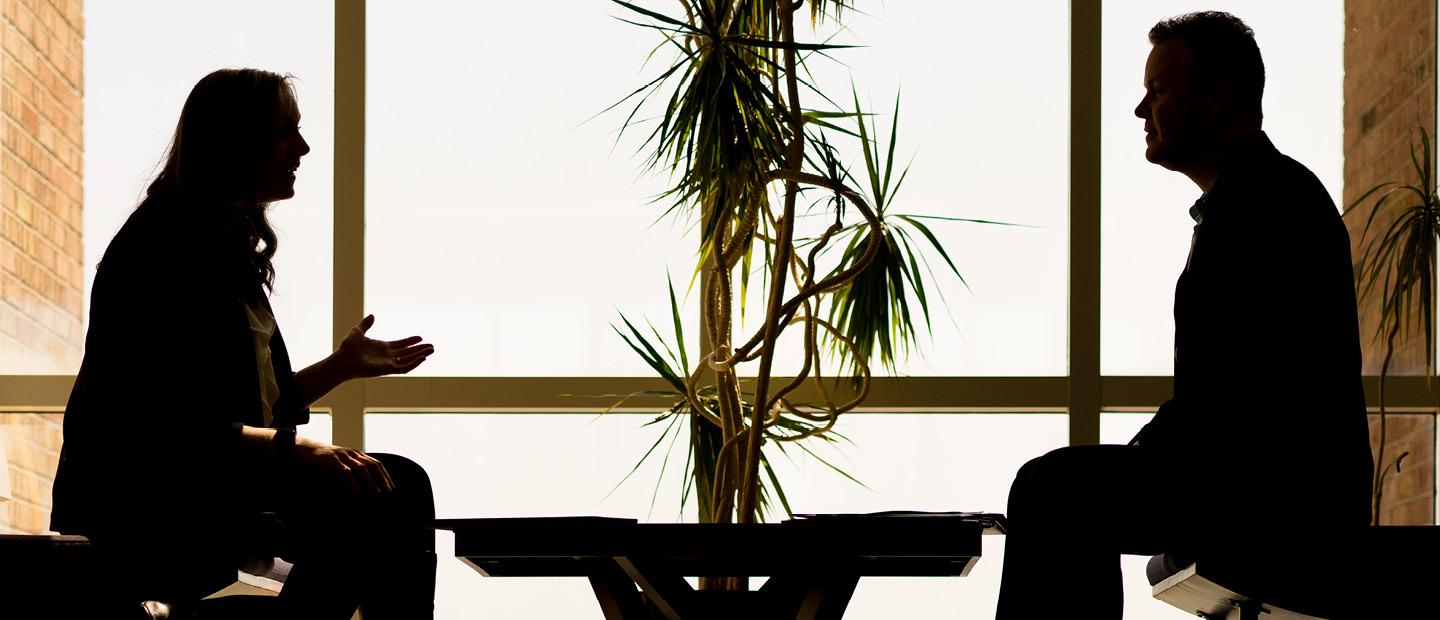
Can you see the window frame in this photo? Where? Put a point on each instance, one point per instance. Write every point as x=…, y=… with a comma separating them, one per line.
x=1083, y=393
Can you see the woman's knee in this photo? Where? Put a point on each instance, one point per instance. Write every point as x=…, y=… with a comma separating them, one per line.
x=402, y=468
x=412, y=484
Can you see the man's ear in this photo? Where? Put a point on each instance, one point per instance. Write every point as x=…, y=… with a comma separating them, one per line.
x=1222, y=97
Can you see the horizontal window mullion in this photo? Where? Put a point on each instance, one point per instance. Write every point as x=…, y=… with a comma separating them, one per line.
x=582, y=394
x=897, y=394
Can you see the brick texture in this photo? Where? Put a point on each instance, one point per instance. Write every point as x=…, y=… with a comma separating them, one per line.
x=1389, y=95
x=1408, y=497
x=42, y=200
x=32, y=443
x=41, y=189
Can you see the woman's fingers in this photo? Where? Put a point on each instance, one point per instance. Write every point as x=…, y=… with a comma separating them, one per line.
x=349, y=475
x=366, y=478
x=416, y=350
x=368, y=472
x=405, y=366
x=405, y=342
x=385, y=475
x=361, y=471
x=407, y=360
x=410, y=354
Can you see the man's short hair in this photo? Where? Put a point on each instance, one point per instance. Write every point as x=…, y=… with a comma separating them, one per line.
x=1223, y=47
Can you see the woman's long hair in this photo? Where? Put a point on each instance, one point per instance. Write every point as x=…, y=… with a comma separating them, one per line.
x=226, y=129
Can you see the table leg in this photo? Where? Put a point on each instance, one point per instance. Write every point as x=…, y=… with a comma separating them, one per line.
x=667, y=591
x=615, y=591
x=827, y=597
x=666, y=594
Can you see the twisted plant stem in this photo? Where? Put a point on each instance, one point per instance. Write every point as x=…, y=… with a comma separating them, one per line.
x=795, y=159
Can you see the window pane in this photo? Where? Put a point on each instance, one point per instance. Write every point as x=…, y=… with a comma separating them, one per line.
x=319, y=429
x=1119, y=428
x=1145, y=224
x=500, y=225
x=934, y=462
x=496, y=213
x=512, y=465
x=1011, y=319
x=142, y=59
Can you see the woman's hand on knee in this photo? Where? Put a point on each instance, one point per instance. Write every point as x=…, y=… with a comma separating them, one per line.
x=361, y=471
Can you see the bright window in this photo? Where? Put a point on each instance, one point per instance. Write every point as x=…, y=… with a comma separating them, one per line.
x=1145, y=223
x=143, y=57
x=507, y=465
x=514, y=231
x=511, y=229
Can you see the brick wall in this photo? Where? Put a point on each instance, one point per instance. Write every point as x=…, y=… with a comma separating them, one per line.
x=41, y=256
x=1389, y=93
x=32, y=442
x=1409, y=494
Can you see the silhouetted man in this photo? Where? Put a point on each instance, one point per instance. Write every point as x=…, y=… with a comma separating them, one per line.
x=1265, y=436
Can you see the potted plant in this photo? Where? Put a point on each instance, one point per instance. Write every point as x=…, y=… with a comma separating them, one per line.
x=744, y=149
x=1400, y=260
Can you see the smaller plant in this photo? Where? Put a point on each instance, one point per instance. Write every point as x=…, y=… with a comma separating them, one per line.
x=1401, y=261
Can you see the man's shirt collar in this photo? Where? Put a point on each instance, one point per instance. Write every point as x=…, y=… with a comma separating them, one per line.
x=1197, y=210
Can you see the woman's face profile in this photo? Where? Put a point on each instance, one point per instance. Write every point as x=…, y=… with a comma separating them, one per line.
x=275, y=180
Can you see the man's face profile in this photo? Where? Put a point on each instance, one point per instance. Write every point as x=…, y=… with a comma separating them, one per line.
x=1173, y=108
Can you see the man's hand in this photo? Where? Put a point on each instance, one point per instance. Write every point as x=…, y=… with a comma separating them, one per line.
x=362, y=357
x=362, y=471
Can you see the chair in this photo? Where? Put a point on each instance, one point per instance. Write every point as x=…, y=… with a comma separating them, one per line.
x=66, y=577
x=1373, y=572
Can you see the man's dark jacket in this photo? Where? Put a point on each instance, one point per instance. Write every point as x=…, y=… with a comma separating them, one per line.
x=152, y=427
x=1268, y=401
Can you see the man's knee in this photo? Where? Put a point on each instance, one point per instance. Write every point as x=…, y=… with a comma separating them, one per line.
x=1066, y=479
x=1032, y=489
x=1057, y=464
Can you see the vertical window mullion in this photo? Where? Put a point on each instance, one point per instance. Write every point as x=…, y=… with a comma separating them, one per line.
x=347, y=403
x=1083, y=350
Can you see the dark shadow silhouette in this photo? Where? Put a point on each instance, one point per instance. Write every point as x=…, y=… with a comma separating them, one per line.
x=179, y=432
x=1265, y=438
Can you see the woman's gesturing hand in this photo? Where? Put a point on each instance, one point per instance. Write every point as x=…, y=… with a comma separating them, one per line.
x=361, y=357
x=361, y=471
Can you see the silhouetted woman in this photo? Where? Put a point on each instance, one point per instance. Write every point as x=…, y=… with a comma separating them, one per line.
x=179, y=432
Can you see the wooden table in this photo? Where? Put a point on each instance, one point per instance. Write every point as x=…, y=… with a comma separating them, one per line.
x=638, y=570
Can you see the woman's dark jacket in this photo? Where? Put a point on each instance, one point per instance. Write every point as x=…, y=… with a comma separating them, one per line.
x=153, y=425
